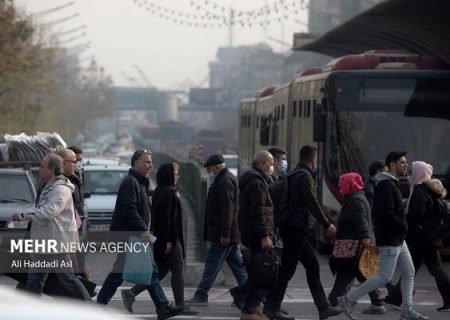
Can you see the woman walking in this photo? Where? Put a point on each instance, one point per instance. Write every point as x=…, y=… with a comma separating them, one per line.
x=353, y=226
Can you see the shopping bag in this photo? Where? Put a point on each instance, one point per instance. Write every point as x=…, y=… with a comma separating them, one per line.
x=138, y=266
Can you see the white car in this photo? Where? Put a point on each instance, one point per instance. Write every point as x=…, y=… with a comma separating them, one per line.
x=102, y=182
x=231, y=161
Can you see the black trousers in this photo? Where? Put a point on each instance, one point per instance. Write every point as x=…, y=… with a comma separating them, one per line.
x=432, y=258
x=297, y=247
x=343, y=282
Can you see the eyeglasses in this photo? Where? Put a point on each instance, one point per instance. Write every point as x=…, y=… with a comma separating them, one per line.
x=73, y=161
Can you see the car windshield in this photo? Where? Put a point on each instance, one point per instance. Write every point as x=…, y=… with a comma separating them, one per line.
x=15, y=188
x=103, y=181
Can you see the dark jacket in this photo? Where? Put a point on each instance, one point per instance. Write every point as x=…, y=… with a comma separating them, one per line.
x=132, y=210
x=222, y=206
x=167, y=220
x=388, y=212
x=369, y=191
x=78, y=194
x=420, y=217
x=354, y=221
x=255, y=208
x=302, y=199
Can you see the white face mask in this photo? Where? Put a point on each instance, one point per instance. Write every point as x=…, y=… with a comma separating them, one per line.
x=283, y=166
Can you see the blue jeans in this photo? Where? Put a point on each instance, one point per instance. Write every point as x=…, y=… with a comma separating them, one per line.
x=390, y=257
x=114, y=280
x=217, y=255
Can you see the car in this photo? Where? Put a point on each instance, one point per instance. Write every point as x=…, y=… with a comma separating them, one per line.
x=17, y=194
x=231, y=161
x=101, y=182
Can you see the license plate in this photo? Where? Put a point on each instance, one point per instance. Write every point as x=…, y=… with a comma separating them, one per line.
x=99, y=227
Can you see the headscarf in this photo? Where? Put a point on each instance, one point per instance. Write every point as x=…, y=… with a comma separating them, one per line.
x=420, y=171
x=350, y=183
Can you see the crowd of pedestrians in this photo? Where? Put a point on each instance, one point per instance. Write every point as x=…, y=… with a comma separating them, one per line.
x=268, y=206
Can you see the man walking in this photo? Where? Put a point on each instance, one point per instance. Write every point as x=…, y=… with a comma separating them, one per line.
x=221, y=229
x=53, y=218
x=132, y=214
x=390, y=233
x=256, y=223
x=296, y=246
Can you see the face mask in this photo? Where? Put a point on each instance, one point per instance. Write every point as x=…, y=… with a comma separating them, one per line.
x=283, y=166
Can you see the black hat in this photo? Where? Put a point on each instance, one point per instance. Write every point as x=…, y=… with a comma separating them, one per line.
x=394, y=156
x=213, y=160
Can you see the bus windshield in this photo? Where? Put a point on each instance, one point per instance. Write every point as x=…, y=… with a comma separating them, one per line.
x=376, y=115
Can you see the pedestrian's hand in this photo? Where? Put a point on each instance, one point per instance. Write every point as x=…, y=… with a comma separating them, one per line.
x=16, y=216
x=145, y=236
x=331, y=231
x=365, y=242
x=266, y=243
x=169, y=248
x=224, y=241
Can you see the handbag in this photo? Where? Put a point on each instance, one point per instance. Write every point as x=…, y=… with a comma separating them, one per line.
x=346, y=249
x=369, y=262
x=138, y=267
x=264, y=269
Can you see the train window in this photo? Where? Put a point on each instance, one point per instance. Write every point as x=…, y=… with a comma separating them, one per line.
x=308, y=109
x=300, y=106
x=294, y=109
x=249, y=121
x=275, y=134
x=278, y=113
x=282, y=112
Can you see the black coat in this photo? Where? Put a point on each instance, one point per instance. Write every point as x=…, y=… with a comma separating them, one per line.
x=354, y=221
x=78, y=194
x=132, y=210
x=388, y=212
x=222, y=206
x=420, y=217
x=255, y=208
x=302, y=199
x=167, y=220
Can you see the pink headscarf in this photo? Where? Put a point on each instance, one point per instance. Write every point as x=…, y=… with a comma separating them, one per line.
x=420, y=171
x=349, y=183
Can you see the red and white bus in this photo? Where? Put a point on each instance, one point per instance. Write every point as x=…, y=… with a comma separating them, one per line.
x=355, y=110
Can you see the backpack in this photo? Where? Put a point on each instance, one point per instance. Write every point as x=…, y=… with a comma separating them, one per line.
x=279, y=194
x=442, y=219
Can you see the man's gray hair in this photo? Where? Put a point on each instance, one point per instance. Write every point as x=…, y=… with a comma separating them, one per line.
x=65, y=153
x=54, y=163
x=260, y=157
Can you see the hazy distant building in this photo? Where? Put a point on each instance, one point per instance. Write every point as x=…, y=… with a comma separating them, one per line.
x=241, y=71
x=327, y=14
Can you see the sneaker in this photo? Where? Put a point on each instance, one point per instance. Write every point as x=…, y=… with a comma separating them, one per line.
x=197, y=301
x=413, y=315
x=167, y=311
x=444, y=308
x=346, y=306
x=329, y=312
x=373, y=309
x=128, y=299
x=393, y=303
x=188, y=311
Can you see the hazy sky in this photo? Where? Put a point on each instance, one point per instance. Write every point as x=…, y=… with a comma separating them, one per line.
x=123, y=34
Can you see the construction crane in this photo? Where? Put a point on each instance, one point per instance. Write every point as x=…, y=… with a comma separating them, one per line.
x=143, y=76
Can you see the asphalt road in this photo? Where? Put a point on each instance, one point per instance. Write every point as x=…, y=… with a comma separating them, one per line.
x=298, y=301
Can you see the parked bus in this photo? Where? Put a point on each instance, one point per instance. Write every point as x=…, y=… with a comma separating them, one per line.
x=355, y=110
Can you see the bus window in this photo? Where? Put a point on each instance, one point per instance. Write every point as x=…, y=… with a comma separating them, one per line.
x=294, y=109
x=257, y=122
x=275, y=134
x=308, y=110
x=282, y=111
x=264, y=131
x=249, y=121
x=300, y=106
